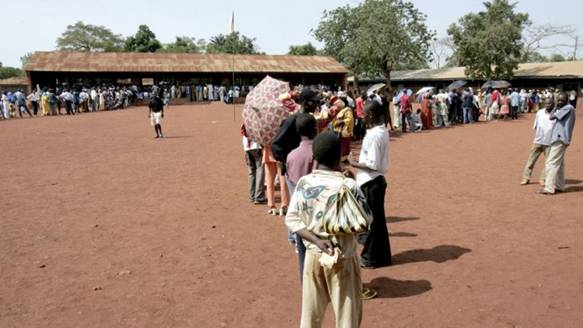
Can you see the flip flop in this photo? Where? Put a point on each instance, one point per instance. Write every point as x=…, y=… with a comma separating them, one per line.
x=368, y=294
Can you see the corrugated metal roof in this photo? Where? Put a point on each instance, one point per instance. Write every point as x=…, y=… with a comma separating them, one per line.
x=570, y=69
x=552, y=70
x=58, y=61
x=14, y=81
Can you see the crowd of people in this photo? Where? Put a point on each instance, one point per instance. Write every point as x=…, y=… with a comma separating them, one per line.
x=52, y=101
x=311, y=161
x=464, y=106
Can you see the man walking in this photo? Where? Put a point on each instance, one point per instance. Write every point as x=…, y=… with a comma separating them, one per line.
x=564, y=116
x=543, y=127
x=157, y=114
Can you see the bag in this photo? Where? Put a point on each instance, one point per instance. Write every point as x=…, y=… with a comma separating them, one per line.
x=344, y=214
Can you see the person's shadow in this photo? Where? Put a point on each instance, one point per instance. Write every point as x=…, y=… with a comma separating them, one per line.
x=438, y=254
x=393, y=288
x=395, y=219
x=574, y=189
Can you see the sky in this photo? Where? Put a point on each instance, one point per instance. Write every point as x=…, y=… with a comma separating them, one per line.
x=276, y=24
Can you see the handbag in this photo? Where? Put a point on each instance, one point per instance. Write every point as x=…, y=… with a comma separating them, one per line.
x=344, y=214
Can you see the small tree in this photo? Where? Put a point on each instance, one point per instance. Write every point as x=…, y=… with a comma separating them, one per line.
x=377, y=37
x=143, y=41
x=24, y=59
x=303, y=50
x=557, y=58
x=87, y=37
x=489, y=43
x=185, y=44
x=233, y=43
x=8, y=72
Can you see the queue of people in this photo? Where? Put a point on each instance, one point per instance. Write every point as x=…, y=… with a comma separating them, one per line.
x=311, y=159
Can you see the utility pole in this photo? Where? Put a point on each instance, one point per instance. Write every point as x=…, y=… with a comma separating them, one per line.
x=575, y=50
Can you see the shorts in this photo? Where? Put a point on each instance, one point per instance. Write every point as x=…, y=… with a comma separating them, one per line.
x=155, y=118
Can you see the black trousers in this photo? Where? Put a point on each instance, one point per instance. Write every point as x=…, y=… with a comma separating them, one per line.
x=377, y=248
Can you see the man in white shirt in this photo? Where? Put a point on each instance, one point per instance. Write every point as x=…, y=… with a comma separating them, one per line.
x=372, y=166
x=543, y=127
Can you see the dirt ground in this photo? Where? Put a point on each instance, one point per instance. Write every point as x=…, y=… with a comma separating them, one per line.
x=104, y=226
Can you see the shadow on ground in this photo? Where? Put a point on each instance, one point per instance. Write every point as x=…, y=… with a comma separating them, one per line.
x=402, y=234
x=438, y=254
x=395, y=219
x=574, y=189
x=392, y=288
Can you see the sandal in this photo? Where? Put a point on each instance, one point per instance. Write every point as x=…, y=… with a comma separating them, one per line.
x=282, y=211
x=368, y=294
x=272, y=211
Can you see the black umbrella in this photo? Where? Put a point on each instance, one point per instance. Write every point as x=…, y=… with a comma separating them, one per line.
x=496, y=84
x=456, y=85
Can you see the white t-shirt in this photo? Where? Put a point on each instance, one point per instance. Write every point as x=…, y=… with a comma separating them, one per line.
x=543, y=128
x=250, y=145
x=374, y=154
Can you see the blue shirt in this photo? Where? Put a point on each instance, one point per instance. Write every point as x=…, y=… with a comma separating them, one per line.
x=514, y=99
x=563, y=129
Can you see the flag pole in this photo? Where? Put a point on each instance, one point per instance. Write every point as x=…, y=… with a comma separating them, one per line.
x=233, y=55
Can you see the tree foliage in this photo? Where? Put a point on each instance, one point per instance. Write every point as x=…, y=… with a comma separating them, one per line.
x=8, y=72
x=87, y=37
x=535, y=57
x=557, y=58
x=185, y=44
x=377, y=37
x=143, y=41
x=303, y=50
x=536, y=38
x=233, y=43
x=489, y=43
x=25, y=58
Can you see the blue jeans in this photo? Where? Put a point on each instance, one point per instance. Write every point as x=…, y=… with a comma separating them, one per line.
x=468, y=116
x=300, y=247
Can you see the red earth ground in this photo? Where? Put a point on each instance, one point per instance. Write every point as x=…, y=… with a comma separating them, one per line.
x=104, y=226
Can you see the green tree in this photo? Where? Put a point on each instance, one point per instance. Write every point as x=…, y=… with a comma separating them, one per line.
x=535, y=57
x=557, y=58
x=185, y=44
x=24, y=59
x=8, y=72
x=87, y=37
x=489, y=43
x=303, y=50
x=143, y=41
x=233, y=43
x=376, y=37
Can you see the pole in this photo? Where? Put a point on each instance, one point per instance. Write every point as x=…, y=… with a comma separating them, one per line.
x=233, y=86
x=575, y=50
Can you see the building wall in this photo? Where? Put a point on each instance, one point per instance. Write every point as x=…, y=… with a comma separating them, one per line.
x=52, y=79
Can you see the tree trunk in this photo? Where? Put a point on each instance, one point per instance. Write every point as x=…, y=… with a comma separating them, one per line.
x=388, y=83
x=355, y=86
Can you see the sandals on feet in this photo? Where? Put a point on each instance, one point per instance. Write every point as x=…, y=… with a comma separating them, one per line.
x=368, y=294
x=272, y=211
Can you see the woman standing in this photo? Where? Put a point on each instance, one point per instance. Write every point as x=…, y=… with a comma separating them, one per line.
x=505, y=107
x=343, y=126
x=273, y=171
x=426, y=115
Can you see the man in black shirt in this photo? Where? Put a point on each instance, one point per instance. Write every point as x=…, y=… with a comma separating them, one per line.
x=157, y=114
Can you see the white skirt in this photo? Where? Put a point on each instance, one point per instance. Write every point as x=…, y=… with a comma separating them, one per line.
x=155, y=118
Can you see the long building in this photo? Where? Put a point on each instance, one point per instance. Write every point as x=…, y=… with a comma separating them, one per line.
x=96, y=68
x=562, y=75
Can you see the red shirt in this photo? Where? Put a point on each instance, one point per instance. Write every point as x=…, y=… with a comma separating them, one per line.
x=359, y=107
x=405, y=103
x=495, y=95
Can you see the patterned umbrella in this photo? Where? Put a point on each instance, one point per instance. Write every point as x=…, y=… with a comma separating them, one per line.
x=263, y=112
